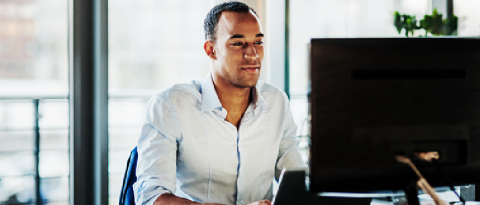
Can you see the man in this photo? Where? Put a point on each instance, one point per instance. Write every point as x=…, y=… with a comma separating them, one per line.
x=222, y=140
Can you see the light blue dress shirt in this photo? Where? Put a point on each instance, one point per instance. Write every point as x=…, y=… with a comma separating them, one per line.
x=187, y=148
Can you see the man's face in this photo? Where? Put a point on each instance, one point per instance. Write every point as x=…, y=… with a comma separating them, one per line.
x=238, y=49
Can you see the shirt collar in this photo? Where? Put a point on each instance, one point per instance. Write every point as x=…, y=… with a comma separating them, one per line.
x=258, y=100
x=210, y=99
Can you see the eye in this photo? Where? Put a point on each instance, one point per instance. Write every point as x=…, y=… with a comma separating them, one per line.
x=259, y=43
x=238, y=44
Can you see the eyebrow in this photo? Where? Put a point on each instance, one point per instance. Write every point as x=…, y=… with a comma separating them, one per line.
x=242, y=36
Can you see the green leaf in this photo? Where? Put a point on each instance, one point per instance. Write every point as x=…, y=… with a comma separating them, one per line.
x=451, y=25
x=397, y=21
x=437, y=23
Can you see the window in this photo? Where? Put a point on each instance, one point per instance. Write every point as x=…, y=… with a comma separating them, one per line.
x=33, y=82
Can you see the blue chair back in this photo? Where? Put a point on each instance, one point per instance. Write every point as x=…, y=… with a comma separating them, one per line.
x=130, y=177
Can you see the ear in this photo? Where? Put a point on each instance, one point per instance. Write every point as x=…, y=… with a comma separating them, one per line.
x=208, y=46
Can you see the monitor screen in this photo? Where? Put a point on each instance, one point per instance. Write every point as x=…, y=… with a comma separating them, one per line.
x=373, y=99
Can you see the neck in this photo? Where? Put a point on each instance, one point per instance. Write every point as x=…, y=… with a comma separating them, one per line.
x=234, y=99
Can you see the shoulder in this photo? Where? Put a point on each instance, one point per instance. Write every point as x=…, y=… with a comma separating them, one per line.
x=270, y=92
x=181, y=91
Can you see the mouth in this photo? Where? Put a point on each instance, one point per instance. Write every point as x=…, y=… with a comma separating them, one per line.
x=251, y=69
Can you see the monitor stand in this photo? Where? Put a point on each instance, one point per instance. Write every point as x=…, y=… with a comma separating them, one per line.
x=411, y=193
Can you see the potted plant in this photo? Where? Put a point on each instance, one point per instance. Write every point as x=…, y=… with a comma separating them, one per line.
x=434, y=24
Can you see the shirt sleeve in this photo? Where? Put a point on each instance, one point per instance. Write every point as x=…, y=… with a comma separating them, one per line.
x=289, y=154
x=157, y=147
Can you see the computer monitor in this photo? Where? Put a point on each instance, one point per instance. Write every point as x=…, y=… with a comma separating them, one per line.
x=371, y=99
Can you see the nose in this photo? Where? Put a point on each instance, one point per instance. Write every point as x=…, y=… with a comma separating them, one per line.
x=250, y=53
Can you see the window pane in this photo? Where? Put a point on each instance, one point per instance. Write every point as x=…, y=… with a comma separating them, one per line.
x=33, y=65
x=16, y=115
x=55, y=190
x=468, y=17
x=16, y=140
x=54, y=140
x=54, y=114
x=299, y=106
x=52, y=164
x=15, y=190
x=16, y=164
x=33, y=47
x=117, y=164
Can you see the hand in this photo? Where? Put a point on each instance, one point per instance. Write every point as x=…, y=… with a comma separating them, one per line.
x=262, y=202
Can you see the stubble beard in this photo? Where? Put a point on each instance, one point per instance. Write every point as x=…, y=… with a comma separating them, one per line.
x=245, y=85
x=240, y=82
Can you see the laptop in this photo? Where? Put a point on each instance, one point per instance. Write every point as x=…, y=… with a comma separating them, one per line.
x=292, y=188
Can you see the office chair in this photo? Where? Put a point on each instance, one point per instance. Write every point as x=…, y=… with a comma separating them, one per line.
x=130, y=177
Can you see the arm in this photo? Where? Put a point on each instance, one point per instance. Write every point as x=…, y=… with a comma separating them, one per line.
x=157, y=147
x=170, y=199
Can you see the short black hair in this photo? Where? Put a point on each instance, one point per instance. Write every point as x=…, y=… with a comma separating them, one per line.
x=211, y=21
